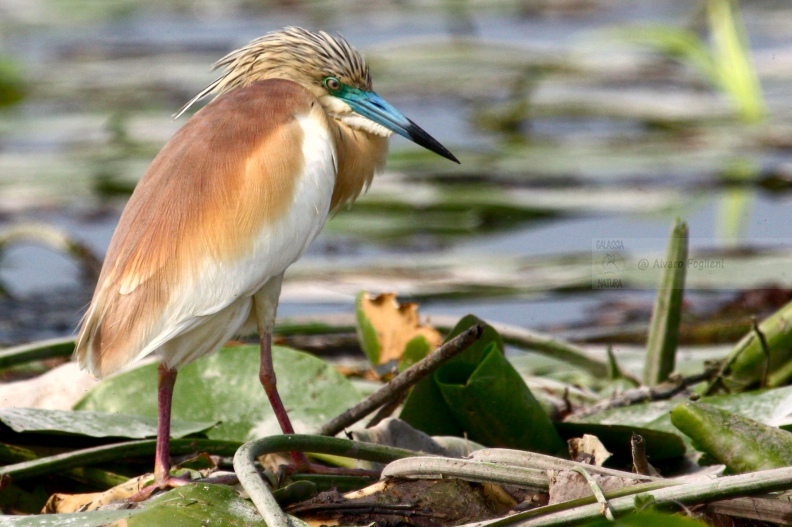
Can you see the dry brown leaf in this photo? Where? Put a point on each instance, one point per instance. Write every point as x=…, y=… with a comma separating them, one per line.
x=64, y=503
x=396, y=324
x=588, y=449
x=274, y=461
x=357, y=372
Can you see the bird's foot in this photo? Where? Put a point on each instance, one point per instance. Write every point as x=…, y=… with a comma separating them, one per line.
x=300, y=465
x=169, y=482
x=172, y=482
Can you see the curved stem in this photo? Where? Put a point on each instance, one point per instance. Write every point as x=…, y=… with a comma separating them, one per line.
x=468, y=470
x=259, y=492
x=623, y=501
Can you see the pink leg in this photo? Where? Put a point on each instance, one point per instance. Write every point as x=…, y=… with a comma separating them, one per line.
x=167, y=378
x=162, y=478
x=268, y=380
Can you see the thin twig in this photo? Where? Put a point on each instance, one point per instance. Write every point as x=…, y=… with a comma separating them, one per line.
x=644, y=394
x=554, y=347
x=386, y=410
x=521, y=458
x=403, y=381
x=466, y=469
x=697, y=492
x=259, y=492
x=765, y=509
x=638, y=447
x=605, y=507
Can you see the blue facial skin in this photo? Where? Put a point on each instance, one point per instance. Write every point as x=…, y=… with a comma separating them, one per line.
x=372, y=106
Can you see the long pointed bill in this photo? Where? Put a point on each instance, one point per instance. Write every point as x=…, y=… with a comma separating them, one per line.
x=370, y=105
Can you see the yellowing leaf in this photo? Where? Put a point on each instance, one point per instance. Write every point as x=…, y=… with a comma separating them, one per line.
x=62, y=503
x=386, y=329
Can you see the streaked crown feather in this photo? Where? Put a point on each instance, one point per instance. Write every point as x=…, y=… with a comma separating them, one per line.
x=292, y=53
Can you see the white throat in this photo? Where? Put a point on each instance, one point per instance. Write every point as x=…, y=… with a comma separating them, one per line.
x=358, y=122
x=338, y=109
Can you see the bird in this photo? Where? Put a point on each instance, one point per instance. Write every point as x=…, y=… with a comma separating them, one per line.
x=294, y=133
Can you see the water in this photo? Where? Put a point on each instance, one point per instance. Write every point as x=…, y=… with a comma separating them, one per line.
x=588, y=156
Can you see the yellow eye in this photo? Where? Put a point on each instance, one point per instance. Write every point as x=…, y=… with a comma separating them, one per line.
x=332, y=84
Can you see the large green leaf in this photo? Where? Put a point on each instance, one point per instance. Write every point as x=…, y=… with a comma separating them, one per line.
x=495, y=407
x=479, y=392
x=93, y=424
x=225, y=387
x=425, y=408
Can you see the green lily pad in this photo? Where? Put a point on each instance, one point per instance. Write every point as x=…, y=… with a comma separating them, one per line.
x=225, y=387
x=198, y=505
x=93, y=424
x=83, y=519
x=193, y=505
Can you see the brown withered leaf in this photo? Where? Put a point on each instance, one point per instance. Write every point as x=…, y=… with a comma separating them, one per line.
x=588, y=449
x=64, y=503
x=395, y=325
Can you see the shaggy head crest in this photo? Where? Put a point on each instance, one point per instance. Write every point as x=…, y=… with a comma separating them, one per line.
x=293, y=53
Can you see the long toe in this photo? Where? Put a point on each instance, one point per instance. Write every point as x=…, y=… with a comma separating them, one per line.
x=171, y=482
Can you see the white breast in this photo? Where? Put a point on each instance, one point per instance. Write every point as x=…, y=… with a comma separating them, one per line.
x=282, y=242
x=279, y=245
x=223, y=290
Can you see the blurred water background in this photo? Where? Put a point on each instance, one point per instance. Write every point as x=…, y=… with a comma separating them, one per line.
x=576, y=121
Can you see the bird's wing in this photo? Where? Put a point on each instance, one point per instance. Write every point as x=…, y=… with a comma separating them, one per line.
x=231, y=200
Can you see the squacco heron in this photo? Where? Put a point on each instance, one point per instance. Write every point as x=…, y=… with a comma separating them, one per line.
x=235, y=197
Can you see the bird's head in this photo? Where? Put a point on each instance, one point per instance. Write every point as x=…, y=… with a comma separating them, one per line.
x=328, y=66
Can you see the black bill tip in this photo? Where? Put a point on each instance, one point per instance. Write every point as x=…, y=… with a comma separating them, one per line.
x=420, y=137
